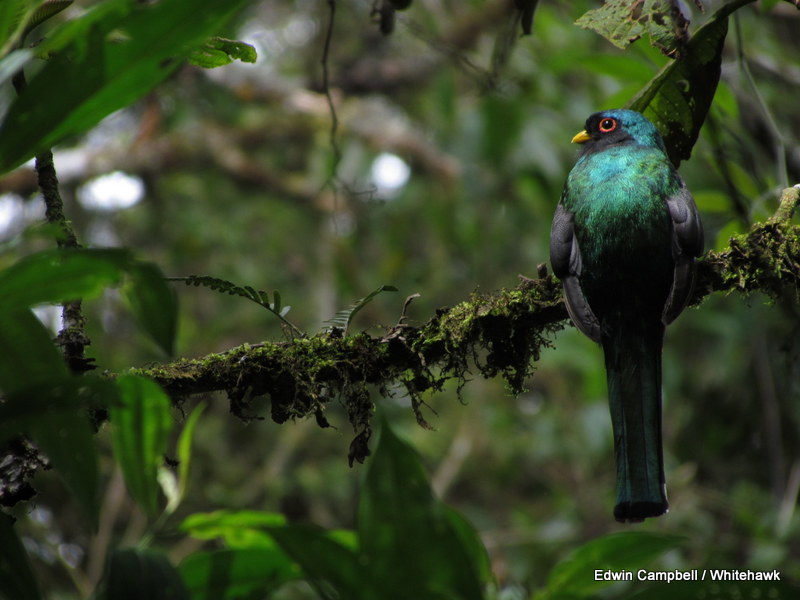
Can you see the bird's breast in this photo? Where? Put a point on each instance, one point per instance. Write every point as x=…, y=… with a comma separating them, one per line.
x=623, y=228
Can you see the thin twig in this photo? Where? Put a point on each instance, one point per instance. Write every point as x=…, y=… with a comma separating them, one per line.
x=327, y=90
x=777, y=138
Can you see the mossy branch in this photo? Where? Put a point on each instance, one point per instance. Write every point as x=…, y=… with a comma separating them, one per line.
x=496, y=334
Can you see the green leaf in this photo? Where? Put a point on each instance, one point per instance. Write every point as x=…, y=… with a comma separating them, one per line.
x=67, y=439
x=185, y=449
x=61, y=275
x=34, y=360
x=216, y=284
x=574, y=576
x=17, y=579
x=276, y=303
x=413, y=543
x=54, y=413
x=218, y=52
x=252, y=294
x=343, y=318
x=154, y=304
x=46, y=9
x=13, y=16
x=103, y=61
x=471, y=542
x=141, y=427
x=44, y=401
x=334, y=570
x=236, y=573
x=622, y=22
x=141, y=575
x=239, y=529
x=410, y=545
x=259, y=297
x=226, y=287
x=678, y=98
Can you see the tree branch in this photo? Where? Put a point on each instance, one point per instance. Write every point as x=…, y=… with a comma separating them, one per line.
x=500, y=334
x=72, y=338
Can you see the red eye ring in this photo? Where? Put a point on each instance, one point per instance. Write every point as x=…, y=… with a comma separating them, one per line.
x=607, y=125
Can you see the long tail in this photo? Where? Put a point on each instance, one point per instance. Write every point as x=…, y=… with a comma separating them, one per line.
x=633, y=368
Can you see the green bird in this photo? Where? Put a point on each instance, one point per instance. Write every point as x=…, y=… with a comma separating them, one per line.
x=623, y=242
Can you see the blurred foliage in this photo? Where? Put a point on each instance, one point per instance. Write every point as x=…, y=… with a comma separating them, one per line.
x=241, y=183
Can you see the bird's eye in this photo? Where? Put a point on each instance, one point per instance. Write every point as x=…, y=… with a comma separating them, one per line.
x=608, y=125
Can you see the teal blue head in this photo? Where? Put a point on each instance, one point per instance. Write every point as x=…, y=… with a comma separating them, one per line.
x=617, y=127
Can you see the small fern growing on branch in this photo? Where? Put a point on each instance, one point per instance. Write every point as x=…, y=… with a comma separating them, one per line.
x=338, y=322
x=260, y=297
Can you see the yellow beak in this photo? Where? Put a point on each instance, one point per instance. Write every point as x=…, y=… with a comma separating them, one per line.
x=581, y=138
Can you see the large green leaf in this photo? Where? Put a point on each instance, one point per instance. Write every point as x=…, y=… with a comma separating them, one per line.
x=30, y=358
x=622, y=22
x=54, y=414
x=236, y=573
x=678, y=98
x=472, y=543
x=25, y=407
x=101, y=62
x=60, y=275
x=17, y=580
x=409, y=539
x=154, y=303
x=44, y=401
x=253, y=561
x=628, y=551
x=410, y=545
x=332, y=568
x=66, y=437
x=141, y=428
x=141, y=575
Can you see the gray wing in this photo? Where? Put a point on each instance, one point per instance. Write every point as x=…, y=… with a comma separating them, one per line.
x=687, y=244
x=565, y=257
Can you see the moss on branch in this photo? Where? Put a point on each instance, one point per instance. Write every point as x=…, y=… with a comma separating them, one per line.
x=498, y=334
x=766, y=258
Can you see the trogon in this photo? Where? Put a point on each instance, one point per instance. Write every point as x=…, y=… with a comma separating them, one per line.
x=623, y=242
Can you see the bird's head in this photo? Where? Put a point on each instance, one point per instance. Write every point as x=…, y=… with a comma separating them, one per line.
x=618, y=126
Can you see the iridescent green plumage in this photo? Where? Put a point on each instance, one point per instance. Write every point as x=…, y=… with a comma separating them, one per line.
x=623, y=242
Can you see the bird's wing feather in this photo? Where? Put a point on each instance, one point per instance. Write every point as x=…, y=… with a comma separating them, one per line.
x=565, y=257
x=561, y=239
x=687, y=244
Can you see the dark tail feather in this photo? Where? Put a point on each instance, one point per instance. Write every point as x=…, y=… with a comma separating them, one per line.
x=633, y=368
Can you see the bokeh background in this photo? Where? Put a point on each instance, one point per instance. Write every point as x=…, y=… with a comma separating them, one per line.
x=451, y=147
